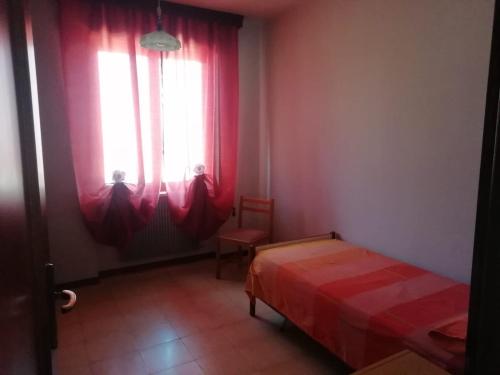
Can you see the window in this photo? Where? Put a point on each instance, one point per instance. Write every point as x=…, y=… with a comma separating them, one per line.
x=182, y=118
x=181, y=114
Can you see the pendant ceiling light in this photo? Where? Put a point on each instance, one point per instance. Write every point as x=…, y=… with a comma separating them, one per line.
x=159, y=40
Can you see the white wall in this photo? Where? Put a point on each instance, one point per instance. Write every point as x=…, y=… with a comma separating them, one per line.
x=253, y=155
x=73, y=251
x=376, y=114
x=252, y=130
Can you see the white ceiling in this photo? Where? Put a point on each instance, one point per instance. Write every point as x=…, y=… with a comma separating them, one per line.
x=256, y=8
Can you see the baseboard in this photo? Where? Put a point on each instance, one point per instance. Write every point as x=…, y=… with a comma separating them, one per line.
x=157, y=264
x=140, y=268
x=134, y=268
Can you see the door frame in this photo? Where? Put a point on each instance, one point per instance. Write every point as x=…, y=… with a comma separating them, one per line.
x=483, y=343
x=21, y=39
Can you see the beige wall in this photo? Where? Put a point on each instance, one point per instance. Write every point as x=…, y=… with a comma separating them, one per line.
x=376, y=113
x=73, y=251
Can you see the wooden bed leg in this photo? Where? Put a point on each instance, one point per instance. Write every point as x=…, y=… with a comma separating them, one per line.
x=252, y=306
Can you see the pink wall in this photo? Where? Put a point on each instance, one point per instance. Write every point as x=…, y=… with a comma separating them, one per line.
x=376, y=113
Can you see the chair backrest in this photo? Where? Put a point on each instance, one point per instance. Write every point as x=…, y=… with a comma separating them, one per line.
x=264, y=207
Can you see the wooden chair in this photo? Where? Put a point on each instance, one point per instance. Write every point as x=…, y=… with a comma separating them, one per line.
x=247, y=237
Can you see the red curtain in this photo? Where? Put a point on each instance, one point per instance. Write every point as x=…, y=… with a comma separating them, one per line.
x=115, y=114
x=198, y=213
x=200, y=204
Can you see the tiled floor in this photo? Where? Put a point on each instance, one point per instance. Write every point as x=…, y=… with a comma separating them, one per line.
x=181, y=320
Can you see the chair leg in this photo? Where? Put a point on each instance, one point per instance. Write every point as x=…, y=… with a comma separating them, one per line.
x=252, y=306
x=217, y=259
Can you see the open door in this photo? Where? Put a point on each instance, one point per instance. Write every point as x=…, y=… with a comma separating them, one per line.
x=483, y=343
x=25, y=296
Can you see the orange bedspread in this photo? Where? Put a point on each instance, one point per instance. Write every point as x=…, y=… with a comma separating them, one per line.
x=359, y=304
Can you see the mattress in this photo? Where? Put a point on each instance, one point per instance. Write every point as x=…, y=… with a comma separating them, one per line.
x=359, y=304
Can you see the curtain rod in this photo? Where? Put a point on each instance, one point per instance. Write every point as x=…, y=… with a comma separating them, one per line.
x=216, y=15
x=171, y=8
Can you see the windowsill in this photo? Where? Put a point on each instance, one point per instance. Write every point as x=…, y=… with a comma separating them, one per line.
x=129, y=183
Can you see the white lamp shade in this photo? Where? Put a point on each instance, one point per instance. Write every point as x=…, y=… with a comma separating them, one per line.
x=160, y=41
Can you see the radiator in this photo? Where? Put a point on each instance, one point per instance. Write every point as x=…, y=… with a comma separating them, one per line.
x=160, y=238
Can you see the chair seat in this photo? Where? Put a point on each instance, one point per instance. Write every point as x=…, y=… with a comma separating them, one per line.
x=244, y=235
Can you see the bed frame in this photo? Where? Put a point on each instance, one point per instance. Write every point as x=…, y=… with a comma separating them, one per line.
x=255, y=250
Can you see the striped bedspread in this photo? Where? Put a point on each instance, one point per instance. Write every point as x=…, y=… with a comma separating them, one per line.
x=359, y=304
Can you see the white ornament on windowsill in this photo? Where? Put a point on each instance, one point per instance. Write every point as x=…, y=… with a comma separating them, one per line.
x=118, y=176
x=199, y=169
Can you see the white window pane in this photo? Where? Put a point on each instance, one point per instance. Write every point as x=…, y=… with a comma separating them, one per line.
x=183, y=119
x=145, y=111
x=117, y=116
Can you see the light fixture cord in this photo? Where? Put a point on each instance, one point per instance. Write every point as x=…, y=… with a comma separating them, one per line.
x=158, y=16
x=162, y=106
x=162, y=86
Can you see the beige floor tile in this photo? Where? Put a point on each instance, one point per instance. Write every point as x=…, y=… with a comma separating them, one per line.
x=93, y=311
x=263, y=354
x=129, y=364
x=67, y=319
x=78, y=370
x=184, y=326
x=248, y=330
x=103, y=326
x=71, y=356
x=145, y=317
x=131, y=303
x=154, y=334
x=181, y=320
x=113, y=345
x=229, y=362
x=70, y=334
x=207, y=342
x=190, y=368
x=165, y=356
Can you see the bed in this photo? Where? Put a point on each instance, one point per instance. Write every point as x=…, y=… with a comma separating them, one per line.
x=359, y=304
